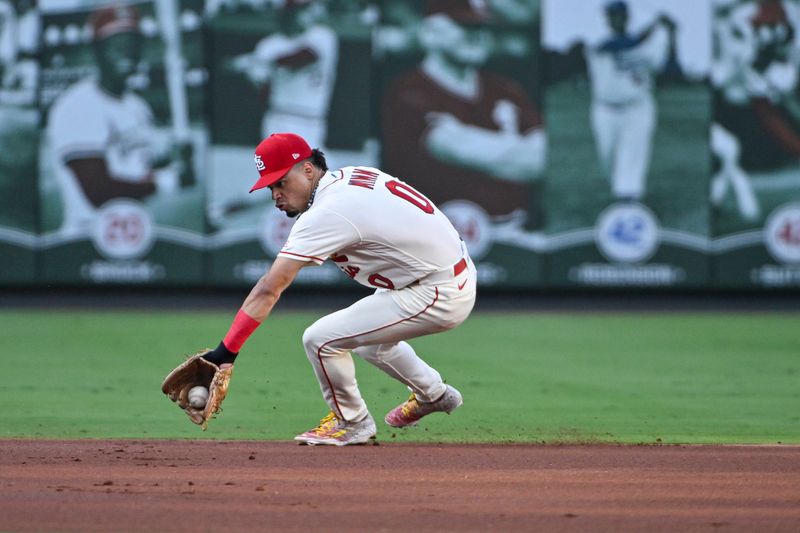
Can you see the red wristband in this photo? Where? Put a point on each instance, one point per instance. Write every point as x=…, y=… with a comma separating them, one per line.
x=243, y=326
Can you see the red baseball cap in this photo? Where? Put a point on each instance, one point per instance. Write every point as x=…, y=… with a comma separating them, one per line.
x=469, y=12
x=276, y=155
x=114, y=19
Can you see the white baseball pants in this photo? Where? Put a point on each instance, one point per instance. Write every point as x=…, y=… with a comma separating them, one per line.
x=624, y=136
x=376, y=327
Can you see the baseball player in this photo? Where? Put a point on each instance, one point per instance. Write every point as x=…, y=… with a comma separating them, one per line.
x=467, y=121
x=385, y=235
x=298, y=63
x=755, y=78
x=111, y=154
x=623, y=113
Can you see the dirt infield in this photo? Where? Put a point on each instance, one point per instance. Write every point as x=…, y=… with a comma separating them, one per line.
x=212, y=486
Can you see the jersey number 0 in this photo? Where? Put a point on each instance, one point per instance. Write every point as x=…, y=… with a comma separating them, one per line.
x=410, y=194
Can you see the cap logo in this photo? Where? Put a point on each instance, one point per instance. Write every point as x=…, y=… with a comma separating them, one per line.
x=295, y=155
x=259, y=163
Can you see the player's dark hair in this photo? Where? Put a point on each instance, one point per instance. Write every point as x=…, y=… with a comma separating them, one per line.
x=318, y=159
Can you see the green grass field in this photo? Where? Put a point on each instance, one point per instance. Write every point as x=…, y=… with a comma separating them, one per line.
x=526, y=377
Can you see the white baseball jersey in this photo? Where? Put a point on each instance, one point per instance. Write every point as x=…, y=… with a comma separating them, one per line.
x=384, y=234
x=377, y=229
x=304, y=91
x=86, y=122
x=621, y=71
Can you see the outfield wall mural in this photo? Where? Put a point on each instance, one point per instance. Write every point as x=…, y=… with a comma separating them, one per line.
x=572, y=143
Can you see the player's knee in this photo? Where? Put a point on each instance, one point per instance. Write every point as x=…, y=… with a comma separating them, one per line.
x=312, y=340
x=317, y=341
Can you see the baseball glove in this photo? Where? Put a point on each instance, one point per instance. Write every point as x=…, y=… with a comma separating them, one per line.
x=198, y=371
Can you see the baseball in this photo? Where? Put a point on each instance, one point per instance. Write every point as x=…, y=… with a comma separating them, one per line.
x=198, y=396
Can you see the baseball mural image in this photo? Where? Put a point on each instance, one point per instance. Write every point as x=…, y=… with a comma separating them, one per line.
x=461, y=118
x=122, y=192
x=571, y=143
x=755, y=142
x=290, y=66
x=628, y=114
